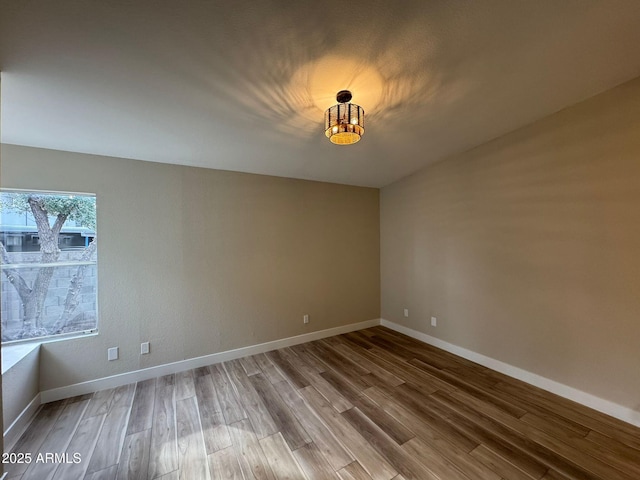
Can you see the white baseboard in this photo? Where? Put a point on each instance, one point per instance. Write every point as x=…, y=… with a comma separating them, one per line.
x=175, y=367
x=605, y=406
x=19, y=425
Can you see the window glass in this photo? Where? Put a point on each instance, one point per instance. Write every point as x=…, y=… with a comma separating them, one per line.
x=48, y=248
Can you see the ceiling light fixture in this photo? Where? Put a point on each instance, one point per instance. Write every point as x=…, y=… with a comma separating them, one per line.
x=344, y=122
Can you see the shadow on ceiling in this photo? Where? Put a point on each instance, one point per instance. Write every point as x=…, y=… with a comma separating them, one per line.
x=281, y=64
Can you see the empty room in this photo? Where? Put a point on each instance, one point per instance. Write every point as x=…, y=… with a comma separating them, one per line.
x=299, y=240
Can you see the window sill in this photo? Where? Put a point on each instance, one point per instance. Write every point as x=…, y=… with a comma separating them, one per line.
x=12, y=354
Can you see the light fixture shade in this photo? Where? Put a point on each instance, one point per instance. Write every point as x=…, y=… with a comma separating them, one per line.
x=344, y=122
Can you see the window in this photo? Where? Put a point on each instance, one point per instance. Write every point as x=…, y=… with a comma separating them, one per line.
x=14, y=240
x=48, y=250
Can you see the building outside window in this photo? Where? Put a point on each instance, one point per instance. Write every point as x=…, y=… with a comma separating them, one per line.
x=48, y=248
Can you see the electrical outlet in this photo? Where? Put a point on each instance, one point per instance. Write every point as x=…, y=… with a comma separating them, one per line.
x=305, y=318
x=434, y=322
x=112, y=353
x=406, y=312
x=144, y=348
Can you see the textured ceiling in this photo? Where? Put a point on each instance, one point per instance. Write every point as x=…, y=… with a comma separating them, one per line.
x=242, y=85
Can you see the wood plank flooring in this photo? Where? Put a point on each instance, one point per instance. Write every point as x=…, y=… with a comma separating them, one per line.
x=367, y=405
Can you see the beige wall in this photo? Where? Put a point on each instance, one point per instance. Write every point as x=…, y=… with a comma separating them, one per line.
x=20, y=384
x=527, y=248
x=200, y=261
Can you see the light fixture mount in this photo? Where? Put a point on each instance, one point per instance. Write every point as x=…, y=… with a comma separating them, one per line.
x=344, y=122
x=344, y=96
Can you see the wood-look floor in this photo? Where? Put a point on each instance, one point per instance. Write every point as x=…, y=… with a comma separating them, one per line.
x=372, y=404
